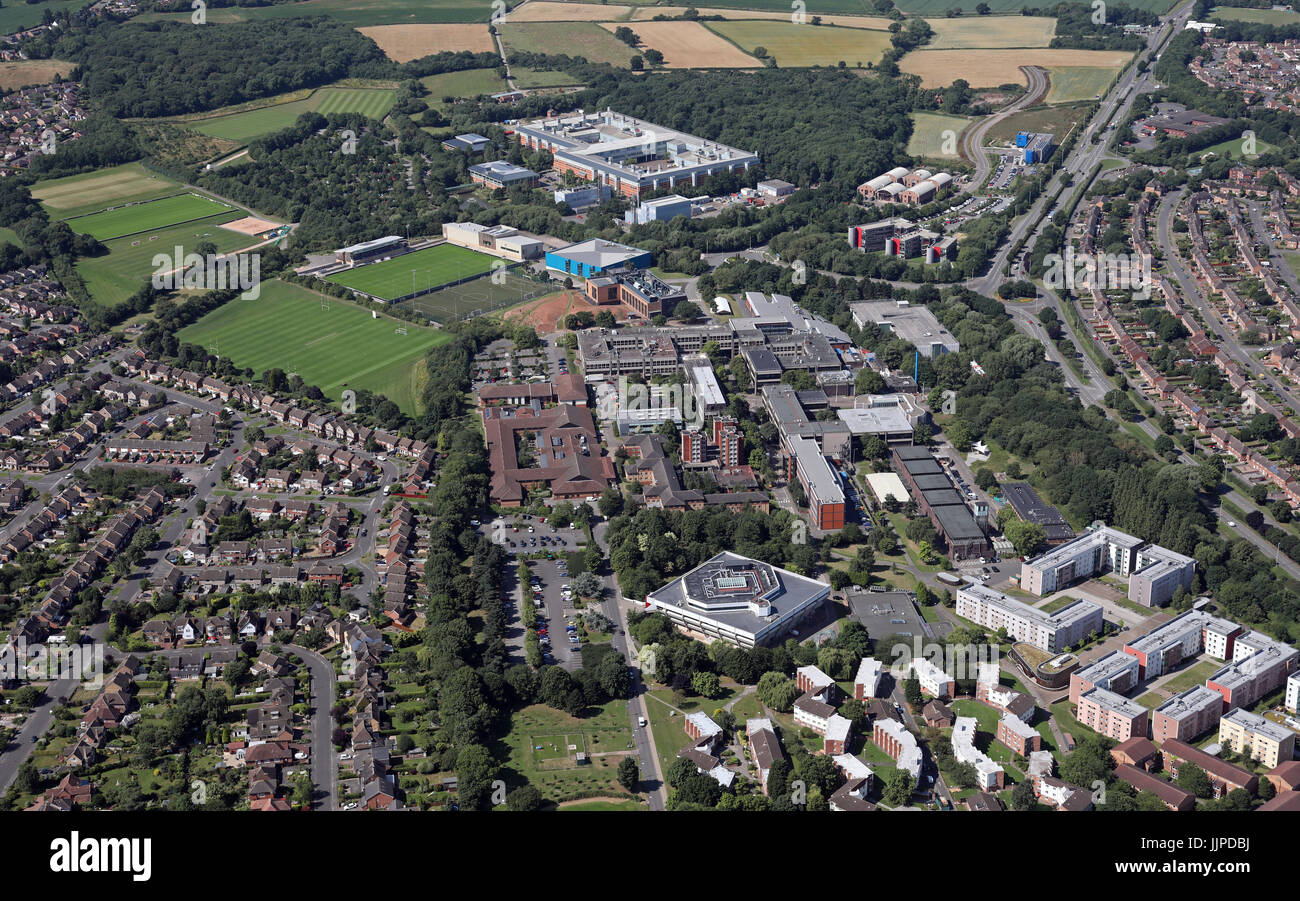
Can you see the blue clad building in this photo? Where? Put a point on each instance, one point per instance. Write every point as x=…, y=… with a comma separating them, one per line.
x=591, y=258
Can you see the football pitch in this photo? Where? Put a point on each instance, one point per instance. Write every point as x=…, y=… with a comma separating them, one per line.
x=422, y=270
x=331, y=343
x=482, y=295
x=115, y=276
x=140, y=217
x=245, y=126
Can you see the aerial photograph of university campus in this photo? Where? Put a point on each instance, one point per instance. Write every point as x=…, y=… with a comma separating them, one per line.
x=479, y=405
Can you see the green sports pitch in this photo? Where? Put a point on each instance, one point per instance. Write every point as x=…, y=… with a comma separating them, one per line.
x=333, y=344
x=141, y=217
x=412, y=273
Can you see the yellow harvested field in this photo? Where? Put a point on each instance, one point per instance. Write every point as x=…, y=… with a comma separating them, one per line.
x=989, y=68
x=689, y=45
x=32, y=71
x=991, y=32
x=644, y=13
x=551, y=11
x=403, y=43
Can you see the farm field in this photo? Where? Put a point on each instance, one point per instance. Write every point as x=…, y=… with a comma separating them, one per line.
x=139, y=217
x=991, y=32
x=989, y=68
x=576, y=39
x=939, y=7
x=416, y=271
x=1262, y=16
x=804, y=45
x=92, y=191
x=688, y=45
x=928, y=136
x=353, y=12
x=114, y=277
x=32, y=71
x=466, y=83
x=402, y=43
x=778, y=13
x=552, y=11
x=250, y=124
x=1071, y=83
x=343, y=346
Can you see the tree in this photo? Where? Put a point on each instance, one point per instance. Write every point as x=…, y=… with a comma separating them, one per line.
x=629, y=773
x=899, y=791
x=1022, y=796
x=475, y=772
x=610, y=503
x=777, y=691
x=912, y=691
x=985, y=478
x=706, y=684
x=525, y=797
x=1194, y=779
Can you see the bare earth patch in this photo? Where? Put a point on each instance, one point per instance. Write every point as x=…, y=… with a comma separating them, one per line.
x=989, y=68
x=31, y=71
x=403, y=43
x=546, y=314
x=688, y=45
x=250, y=225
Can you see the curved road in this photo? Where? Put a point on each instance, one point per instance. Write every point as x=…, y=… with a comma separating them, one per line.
x=972, y=140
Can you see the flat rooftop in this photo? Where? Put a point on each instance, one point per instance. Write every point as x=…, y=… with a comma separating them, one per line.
x=739, y=592
x=911, y=322
x=876, y=420
x=1066, y=616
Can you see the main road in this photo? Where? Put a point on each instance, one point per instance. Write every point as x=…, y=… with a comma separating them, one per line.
x=1085, y=154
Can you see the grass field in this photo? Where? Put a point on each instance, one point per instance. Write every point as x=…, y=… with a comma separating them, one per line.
x=31, y=71
x=989, y=32
x=1055, y=119
x=467, y=83
x=804, y=45
x=334, y=348
x=527, y=77
x=605, y=734
x=1194, y=675
x=17, y=16
x=114, y=277
x=402, y=43
x=92, y=191
x=140, y=217
x=1232, y=149
x=687, y=45
x=928, y=140
x=1261, y=16
x=1072, y=83
x=250, y=124
x=989, y=68
x=417, y=271
x=585, y=39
